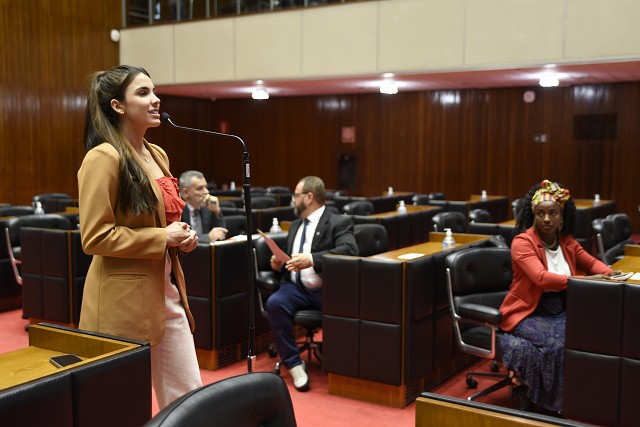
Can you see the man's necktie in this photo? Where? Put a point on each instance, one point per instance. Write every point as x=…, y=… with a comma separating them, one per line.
x=302, y=239
x=197, y=218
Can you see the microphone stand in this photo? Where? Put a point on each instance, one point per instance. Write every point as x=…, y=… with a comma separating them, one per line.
x=246, y=185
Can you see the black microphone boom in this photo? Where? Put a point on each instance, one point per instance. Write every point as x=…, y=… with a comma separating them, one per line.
x=246, y=185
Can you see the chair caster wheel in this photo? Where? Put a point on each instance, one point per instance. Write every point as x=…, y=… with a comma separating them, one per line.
x=494, y=366
x=472, y=382
x=277, y=369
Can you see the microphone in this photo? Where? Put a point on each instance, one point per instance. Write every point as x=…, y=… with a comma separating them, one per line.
x=246, y=185
x=165, y=117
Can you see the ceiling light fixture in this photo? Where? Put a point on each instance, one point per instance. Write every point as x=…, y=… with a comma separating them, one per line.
x=260, y=93
x=388, y=88
x=549, y=80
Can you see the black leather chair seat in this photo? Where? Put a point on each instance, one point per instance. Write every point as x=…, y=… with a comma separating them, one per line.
x=308, y=319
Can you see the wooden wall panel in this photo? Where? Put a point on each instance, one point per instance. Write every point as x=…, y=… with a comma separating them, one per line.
x=455, y=141
x=49, y=48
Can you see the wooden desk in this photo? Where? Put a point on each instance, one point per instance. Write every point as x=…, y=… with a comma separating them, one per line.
x=629, y=264
x=410, y=208
x=632, y=250
x=387, y=327
x=431, y=247
x=588, y=203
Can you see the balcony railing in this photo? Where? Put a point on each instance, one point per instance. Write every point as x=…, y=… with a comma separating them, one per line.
x=151, y=12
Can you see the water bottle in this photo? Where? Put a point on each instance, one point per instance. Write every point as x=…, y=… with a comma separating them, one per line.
x=232, y=186
x=596, y=199
x=448, y=242
x=275, y=227
x=483, y=195
x=402, y=209
x=39, y=210
x=390, y=191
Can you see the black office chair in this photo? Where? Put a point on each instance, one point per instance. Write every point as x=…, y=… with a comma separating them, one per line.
x=436, y=195
x=263, y=202
x=479, y=215
x=12, y=234
x=267, y=282
x=235, y=225
x=13, y=210
x=358, y=207
x=278, y=189
x=53, y=202
x=420, y=199
x=456, y=221
x=516, y=205
x=248, y=400
x=477, y=281
x=613, y=233
x=371, y=239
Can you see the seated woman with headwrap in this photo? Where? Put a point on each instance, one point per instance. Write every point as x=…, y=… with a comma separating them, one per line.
x=544, y=254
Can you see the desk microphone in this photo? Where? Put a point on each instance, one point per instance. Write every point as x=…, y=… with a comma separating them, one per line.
x=246, y=185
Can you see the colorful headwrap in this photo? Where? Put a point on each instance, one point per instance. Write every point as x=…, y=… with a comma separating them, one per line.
x=550, y=191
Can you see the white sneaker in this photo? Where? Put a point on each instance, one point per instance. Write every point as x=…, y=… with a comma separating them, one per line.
x=300, y=377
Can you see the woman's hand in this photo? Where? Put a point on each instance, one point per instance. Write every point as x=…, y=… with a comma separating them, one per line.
x=177, y=232
x=190, y=243
x=597, y=276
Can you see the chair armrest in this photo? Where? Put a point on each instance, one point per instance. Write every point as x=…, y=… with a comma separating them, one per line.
x=268, y=281
x=480, y=313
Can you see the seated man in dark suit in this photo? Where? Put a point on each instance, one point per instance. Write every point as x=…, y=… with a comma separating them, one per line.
x=202, y=212
x=315, y=233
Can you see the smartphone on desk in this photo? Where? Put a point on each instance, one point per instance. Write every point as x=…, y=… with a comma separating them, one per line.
x=64, y=360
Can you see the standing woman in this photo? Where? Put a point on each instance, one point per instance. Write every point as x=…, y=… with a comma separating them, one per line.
x=544, y=254
x=130, y=209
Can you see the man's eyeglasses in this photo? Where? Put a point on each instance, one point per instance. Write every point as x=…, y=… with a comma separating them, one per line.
x=296, y=195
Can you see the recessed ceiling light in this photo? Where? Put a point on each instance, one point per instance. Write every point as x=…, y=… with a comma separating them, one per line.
x=388, y=88
x=549, y=80
x=260, y=93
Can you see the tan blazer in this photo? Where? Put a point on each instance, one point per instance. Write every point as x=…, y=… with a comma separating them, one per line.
x=124, y=290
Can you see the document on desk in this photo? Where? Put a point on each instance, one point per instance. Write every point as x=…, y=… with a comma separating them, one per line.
x=275, y=249
x=409, y=256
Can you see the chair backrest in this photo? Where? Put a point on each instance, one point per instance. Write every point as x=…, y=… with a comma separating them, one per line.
x=420, y=199
x=56, y=221
x=278, y=189
x=622, y=226
x=371, y=239
x=479, y=275
x=249, y=400
x=456, y=221
x=437, y=196
x=53, y=202
x=479, y=215
x=17, y=210
x=235, y=225
x=262, y=202
x=359, y=207
x=515, y=206
x=227, y=204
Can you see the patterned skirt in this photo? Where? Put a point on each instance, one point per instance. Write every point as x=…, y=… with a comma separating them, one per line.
x=535, y=349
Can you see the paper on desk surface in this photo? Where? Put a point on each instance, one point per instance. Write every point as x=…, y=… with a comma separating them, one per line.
x=412, y=255
x=275, y=249
x=635, y=277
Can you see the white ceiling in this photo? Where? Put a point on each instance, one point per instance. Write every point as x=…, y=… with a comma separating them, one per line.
x=569, y=75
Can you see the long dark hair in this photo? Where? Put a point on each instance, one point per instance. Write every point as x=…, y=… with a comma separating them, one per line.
x=524, y=213
x=102, y=125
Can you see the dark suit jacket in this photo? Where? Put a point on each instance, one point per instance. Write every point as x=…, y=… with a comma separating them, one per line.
x=334, y=235
x=209, y=222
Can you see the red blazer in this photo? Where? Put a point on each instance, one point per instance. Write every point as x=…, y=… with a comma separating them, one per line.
x=531, y=276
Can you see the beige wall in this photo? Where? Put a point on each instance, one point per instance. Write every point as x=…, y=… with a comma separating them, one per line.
x=401, y=36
